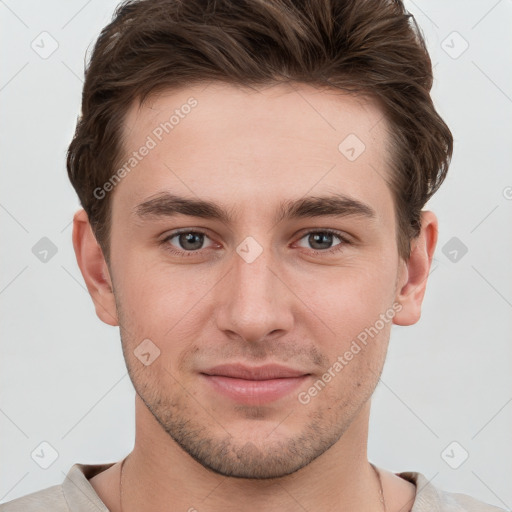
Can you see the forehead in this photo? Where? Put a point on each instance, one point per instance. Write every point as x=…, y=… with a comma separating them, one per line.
x=255, y=147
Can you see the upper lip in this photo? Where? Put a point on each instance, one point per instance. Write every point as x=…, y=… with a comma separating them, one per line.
x=270, y=371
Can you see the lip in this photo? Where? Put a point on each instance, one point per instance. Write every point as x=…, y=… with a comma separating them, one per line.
x=240, y=371
x=254, y=385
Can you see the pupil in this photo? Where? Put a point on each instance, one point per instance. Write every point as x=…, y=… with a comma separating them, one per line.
x=321, y=238
x=189, y=238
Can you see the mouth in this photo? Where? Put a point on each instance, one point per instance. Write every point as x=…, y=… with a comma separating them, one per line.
x=254, y=385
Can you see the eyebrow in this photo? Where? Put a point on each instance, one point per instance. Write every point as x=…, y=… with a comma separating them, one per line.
x=166, y=204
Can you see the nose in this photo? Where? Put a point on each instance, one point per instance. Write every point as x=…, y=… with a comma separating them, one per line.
x=253, y=299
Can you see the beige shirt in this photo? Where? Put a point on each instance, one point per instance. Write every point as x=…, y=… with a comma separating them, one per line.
x=76, y=494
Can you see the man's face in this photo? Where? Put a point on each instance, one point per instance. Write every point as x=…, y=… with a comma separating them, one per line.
x=255, y=290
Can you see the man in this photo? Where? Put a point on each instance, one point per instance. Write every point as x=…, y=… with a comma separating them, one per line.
x=293, y=145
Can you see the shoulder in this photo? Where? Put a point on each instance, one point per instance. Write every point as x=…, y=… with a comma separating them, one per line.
x=51, y=498
x=75, y=494
x=430, y=497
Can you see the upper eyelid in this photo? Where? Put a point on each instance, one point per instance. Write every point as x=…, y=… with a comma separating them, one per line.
x=344, y=238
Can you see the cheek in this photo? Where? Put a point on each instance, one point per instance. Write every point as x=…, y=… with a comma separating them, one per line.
x=349, y=379
x=160, y=303
x=351, y=324
x=347, y=300
x=148, y=295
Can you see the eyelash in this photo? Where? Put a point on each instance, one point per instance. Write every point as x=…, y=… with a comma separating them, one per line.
x=333, y=250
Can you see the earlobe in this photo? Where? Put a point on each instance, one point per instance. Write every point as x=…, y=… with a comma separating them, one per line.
x=94, y=269
x=413, y=283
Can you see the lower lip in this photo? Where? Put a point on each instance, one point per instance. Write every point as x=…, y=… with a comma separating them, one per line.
x=254, y=391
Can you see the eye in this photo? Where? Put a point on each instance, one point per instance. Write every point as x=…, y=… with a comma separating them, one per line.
x=190, y=243
x=321, y=241
x=186, y=244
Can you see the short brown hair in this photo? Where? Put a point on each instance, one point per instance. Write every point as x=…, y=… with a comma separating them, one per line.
x=368, y=47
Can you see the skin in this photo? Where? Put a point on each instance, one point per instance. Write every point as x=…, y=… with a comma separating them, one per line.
x=248, y=150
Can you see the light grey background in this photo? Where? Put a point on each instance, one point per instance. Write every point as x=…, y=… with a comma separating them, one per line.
x=447, y=379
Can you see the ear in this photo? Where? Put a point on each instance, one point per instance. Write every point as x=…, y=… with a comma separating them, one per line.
x=415, y=271
x=93, y=266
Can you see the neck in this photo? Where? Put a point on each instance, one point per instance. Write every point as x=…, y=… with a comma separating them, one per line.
x=159, y=475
